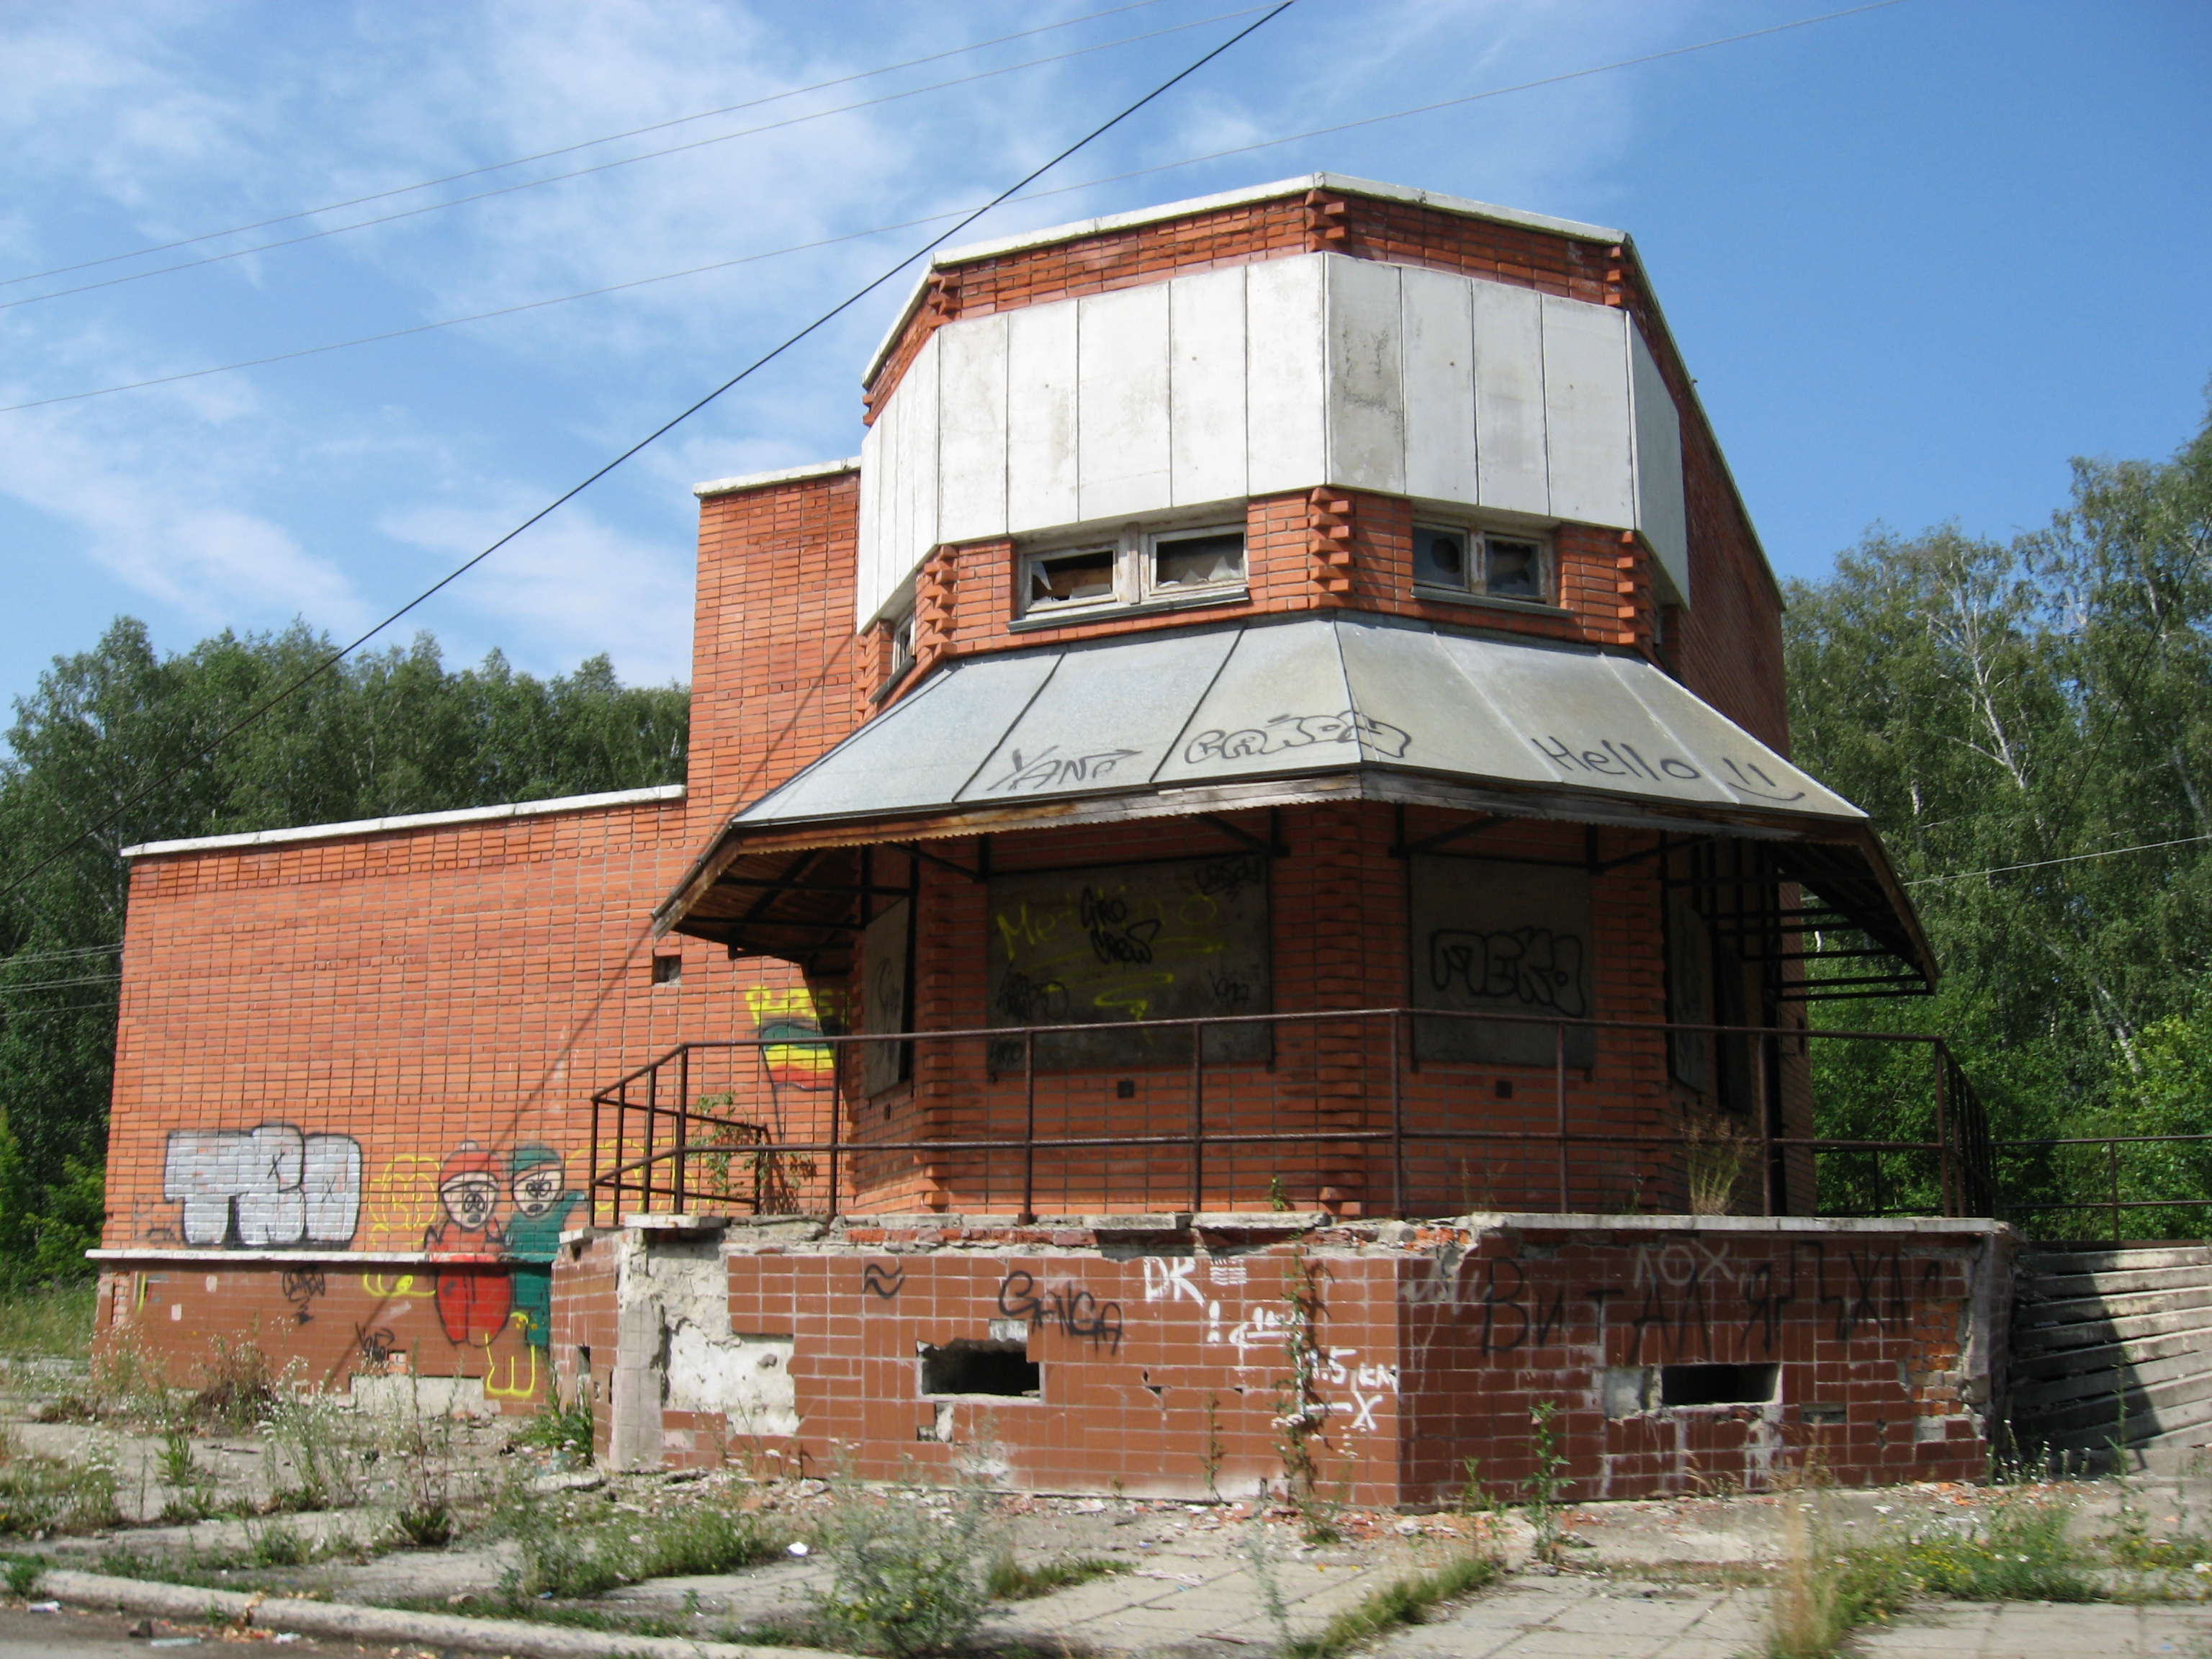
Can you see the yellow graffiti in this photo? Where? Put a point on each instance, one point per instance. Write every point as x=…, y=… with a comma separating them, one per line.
x=402, y=1202
x=1023, y=928
x=511, y=1389
x=1127, y=995
x=765, y=1003
x=386, y=1289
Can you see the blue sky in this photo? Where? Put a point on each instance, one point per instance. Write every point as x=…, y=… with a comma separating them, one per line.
x=1918, y=259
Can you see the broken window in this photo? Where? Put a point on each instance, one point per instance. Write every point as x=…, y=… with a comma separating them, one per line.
x=668, y=969
x=966, y=1366
x=1136, y=567
x=1450, y=560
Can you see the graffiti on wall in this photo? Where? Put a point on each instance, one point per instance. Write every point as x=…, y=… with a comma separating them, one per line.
x=265, y=1187
x=1690, y=1300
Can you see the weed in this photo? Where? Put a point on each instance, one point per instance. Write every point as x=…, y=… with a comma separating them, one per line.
x=429, y=1525
x=1541, y=1491
x=1301, y=1413
x=1716, y=1151
x=273, y=1543
x=178, y=1468
x=317, y=1445
x=23, y=1576
x=238, y=1384
x=41, y=1495
x=909, y=1572
x=1210, y=1460
x=571, y=1562
x=1259, y=1555
x=1009, y=1581
x=563, y=1429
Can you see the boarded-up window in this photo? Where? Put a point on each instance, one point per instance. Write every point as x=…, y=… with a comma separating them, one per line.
x=1499, y=938
x=883, y=954
x=1179, y=939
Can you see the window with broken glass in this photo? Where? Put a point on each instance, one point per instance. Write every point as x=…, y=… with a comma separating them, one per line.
x=1136, y=567
x=1456, y=562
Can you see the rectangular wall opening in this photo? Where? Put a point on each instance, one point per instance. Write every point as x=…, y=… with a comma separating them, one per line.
x=966, y=1366
x=1717, y=1385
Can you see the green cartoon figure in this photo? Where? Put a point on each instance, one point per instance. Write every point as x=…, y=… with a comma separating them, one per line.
x=538, y=1186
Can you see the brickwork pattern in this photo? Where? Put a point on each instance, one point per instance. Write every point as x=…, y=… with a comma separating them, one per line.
x=1166, y=1365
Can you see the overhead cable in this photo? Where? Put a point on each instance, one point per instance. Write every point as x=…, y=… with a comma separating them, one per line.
x=620, y=161
x=910, y=224
x=570, y=150
x=2072, y=858
x=566, y=495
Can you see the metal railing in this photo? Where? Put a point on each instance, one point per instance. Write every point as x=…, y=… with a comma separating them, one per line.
x=2105, y=1180
x=1373, y=1112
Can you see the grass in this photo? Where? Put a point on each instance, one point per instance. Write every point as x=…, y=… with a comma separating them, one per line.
x=52, y=1322
x=41, y=1495
x=1407, y=1600
x=563, y=1429
x=576, y=1562
x=2019, y=1553
x=1009, y=1581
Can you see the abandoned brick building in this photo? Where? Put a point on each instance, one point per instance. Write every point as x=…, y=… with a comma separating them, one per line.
x=1239, y=881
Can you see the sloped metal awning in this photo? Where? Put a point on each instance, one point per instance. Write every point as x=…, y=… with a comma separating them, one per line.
x=1263, y=714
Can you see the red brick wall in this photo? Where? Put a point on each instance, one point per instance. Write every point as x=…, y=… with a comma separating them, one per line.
x=776, y=664
x=1166, y=1370
x=449, y=992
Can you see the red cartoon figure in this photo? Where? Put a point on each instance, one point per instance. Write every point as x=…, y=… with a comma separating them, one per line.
x=471, y=1306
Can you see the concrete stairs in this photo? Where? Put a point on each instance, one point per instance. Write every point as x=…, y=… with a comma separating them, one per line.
x=2112, y=1345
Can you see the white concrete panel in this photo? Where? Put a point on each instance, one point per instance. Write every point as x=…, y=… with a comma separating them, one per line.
x=971, y=402
x=1589, y=436
x=1121, y=398
x=1206, y=386
x=1660, y=512
x=919, y=448
x=894, y=517
x=1366, y=384
x=1284, y=380
x=1041, y=415
x=1512, y=472
x=869, y=590
x=1439, y=377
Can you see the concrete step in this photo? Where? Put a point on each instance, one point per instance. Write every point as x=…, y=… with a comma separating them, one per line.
x=2111, y=1305
x=2049, y=1288
x=2057, y=1263
x=2069, y=1339
x=2160, y=1410
x=2051, y=1391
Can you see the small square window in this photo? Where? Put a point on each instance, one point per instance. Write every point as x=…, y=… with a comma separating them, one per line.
x=1071, y=579
x=902, y=645
x=1440, y=557
x=1511, y=570
x=1209, y=560
x=668, y=970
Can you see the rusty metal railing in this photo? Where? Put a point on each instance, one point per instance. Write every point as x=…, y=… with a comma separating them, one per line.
x=1352, y=1110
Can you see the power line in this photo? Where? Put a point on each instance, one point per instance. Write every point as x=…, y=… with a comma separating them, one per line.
x=2073, y=858
x=9, y=990
x=621, y=161
x=570, y=150
x=459, y=570
x=58, y=956
x=909, y=224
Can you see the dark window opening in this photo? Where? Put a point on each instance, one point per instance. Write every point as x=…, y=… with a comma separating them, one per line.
x=1072, y=578
x=1510, y=569
x=668, y=970
x=1717, y=1385
x=967, y=1366
x=1198, y=560
x=1440, y=557
x=1505, y=1088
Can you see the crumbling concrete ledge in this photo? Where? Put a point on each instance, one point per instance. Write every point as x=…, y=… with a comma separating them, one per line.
x=182, y=1604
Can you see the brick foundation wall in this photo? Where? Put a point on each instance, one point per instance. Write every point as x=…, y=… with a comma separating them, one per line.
x=1168, y=1358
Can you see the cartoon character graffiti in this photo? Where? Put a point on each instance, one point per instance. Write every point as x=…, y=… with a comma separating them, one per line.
x=537, y=1186
x=472, y=1307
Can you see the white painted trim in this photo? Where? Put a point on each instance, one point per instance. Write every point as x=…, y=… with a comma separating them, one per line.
x=1543, y=1221
x=185, y=1253
x=525, y=809
x=969, y=253
x=787, y=475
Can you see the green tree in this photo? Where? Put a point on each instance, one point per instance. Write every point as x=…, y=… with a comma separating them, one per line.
x=384, y=733
x=2010, y=715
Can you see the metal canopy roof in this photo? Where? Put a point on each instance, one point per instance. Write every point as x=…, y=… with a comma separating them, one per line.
x=1260, y=713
